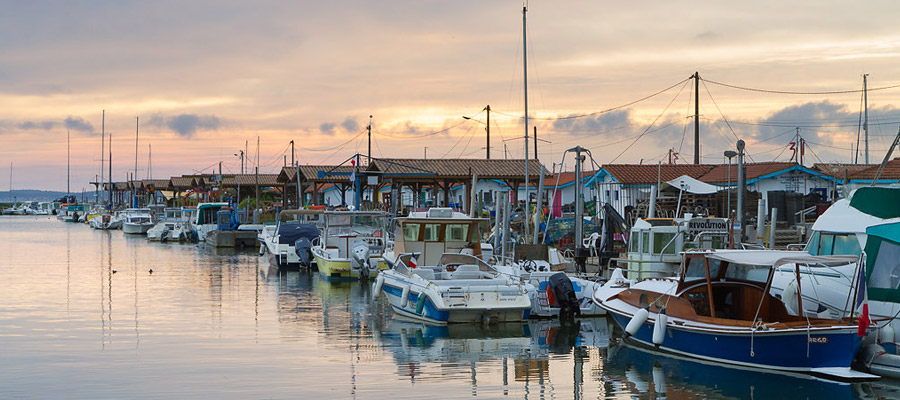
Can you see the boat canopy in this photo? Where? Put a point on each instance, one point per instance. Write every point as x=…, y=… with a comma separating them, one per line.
x=883, y=262
x=776, y=258
x=878, y=201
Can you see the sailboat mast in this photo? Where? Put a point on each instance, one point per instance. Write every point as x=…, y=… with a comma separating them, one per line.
x=68, y=162
x=525, y=73
x=110, y=171
x=137, y=125
x=102, y=148
x=149, y=161
x=866, y=115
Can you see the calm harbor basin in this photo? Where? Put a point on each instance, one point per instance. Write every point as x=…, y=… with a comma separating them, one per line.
x=82, y=316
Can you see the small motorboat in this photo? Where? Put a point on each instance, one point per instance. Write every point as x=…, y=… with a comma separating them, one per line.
x=461, y=288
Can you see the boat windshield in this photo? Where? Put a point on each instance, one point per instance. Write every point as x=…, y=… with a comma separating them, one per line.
x=830, y=244
x=454, y=260
x=360, y=225
x=696, y=268
x=746, y=272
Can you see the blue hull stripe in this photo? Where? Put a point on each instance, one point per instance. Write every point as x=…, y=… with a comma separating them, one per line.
x=782, y=351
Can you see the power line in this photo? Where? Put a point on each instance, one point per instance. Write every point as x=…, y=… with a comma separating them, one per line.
x=771, y=91
x=597, y=112
x=335, y=147
x=652, y=123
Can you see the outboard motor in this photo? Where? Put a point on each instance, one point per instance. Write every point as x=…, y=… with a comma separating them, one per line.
x=564, y=293
x=164, y=236
x=303, y=248
x=359, y=258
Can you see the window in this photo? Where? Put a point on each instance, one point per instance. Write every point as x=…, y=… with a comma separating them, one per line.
x=661, y=239
x=432, y=232
x=456, y=233
x=886, y=271
x=411, y=232
x=696, y=268
x=635, y=239
x=828, y=244
x=645, y=241
x=754, y=273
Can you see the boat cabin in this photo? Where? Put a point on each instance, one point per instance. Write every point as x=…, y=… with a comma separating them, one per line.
x=732, y=287
x=342, y=228
x=655, y=244
x=438, y=231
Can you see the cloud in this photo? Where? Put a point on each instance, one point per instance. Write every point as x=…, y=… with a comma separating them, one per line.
x=42, y=125
x=350, y=125
x=708, y=35
x=327, y=128
x=79, y=124
x=185, y=125
x=600, y=124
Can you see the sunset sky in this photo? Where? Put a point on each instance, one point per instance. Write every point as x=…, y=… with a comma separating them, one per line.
x=204, y=77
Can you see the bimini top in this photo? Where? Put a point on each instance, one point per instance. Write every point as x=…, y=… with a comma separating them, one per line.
x=776, y=258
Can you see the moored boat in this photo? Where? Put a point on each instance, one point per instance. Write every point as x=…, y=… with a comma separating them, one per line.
x=137, y=221
x=721, y=309
x=294, y=227
x=460, y=288
x=351, y=244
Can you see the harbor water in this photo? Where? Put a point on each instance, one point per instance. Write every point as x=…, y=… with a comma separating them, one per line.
x=83, y=316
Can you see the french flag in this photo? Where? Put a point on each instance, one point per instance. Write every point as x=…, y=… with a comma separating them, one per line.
x=861, y=298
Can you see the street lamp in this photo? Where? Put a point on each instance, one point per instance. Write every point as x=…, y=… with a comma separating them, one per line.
x=730, y=154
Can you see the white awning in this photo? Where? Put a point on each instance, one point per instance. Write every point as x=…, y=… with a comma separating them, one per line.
x=692, y=185
x=777, y=257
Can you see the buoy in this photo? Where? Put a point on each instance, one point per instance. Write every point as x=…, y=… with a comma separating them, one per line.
x=789, y=297
x=379, y=281
x=659, y=328
x=636, y=321
x=404, y=298
x=420, y=304
x=885, y=334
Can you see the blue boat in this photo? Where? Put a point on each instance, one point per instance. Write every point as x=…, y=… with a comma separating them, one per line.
x=720, y=308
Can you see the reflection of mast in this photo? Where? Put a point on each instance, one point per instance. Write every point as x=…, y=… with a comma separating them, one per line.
x=137, y=333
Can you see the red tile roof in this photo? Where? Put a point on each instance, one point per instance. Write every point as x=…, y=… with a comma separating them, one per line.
x=719, y=173
x=649, y=173
x=891, y=172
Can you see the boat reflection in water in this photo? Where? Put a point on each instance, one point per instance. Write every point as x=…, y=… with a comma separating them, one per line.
x=644, y=372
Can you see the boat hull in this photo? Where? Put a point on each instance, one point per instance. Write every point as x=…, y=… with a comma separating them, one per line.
x=434, y=314
x=340, y=269
x=136, y=229
x=796, y=350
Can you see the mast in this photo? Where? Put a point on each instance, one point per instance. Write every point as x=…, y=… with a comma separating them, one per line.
x=525, y=80
x=866, y=115
x=68, y=162
x=102, y=148
x=137, y=124
x=149, y=161
x=110, y=170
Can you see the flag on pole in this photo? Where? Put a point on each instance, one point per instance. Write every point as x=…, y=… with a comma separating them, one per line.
x=861, y=298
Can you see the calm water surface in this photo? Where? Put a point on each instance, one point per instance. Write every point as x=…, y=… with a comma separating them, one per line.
x=81, y=316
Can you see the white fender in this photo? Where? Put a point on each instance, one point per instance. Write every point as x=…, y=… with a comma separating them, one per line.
x=376, y=290
x=636, y=322
x=659, y=328
x=789, y=297
x=886, y=334
x=404, y=298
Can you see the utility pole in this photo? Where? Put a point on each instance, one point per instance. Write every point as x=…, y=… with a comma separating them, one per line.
x=369, y=154
x=292, y=151
x=535, y=142
x=696, y=117
x=488, y=130
x=866, y=110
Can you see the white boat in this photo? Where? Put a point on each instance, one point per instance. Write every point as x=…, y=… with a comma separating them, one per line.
x=721, y=309
x=205, y=219
x=351, y=245
x=137, y=221
x=174, y=226
x=105, y=221
x=293, y=225
x=460, y=288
